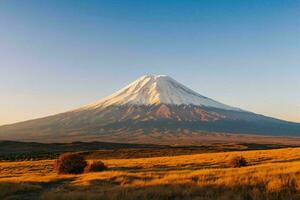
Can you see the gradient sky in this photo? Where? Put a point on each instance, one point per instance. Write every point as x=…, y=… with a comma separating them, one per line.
x=59, y=55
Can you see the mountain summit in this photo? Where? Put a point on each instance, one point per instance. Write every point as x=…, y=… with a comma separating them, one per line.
x=151, y=109
x=154, y=90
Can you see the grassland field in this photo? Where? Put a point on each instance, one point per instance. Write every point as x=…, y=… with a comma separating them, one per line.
x=270, y=174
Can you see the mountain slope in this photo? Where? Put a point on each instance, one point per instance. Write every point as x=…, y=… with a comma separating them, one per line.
x=152, y=106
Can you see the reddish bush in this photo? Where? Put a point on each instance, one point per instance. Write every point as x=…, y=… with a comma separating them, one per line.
x=238, y=161
x=70, y=163
x=95, y=166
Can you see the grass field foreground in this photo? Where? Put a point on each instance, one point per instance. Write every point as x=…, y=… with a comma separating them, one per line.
x=270, y=174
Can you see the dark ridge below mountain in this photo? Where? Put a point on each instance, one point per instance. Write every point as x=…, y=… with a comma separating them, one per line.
x=19, y=151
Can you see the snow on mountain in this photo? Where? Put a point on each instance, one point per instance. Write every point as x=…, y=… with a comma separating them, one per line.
x=153, y=90
x=151, y=107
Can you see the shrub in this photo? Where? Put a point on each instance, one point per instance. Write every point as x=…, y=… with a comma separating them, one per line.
x=95, y=166
x=70, y=163
x=238, y=161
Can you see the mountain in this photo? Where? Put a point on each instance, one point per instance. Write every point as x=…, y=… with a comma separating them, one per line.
x=154, y=90
x=152, y=108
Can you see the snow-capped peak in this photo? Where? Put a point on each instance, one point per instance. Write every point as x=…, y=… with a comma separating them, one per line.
x=157, y=89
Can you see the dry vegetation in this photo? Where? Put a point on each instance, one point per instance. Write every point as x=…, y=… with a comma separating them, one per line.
x=269, y=174
x=70, y=163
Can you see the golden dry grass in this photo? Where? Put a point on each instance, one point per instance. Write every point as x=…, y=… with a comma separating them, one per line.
x=271, y=174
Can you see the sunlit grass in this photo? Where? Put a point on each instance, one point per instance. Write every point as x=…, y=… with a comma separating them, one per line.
x=270, y=174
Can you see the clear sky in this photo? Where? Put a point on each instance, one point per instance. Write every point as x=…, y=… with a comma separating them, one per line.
x=59, y=55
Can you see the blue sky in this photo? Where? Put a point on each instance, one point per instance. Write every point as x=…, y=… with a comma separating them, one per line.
x=58, y=55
